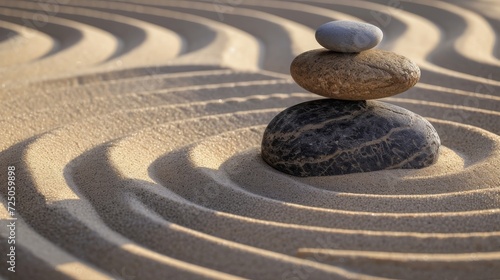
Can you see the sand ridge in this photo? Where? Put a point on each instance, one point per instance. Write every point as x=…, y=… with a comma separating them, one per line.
x=135, y=131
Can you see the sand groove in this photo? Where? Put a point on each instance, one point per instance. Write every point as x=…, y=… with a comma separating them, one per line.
x=135, y=130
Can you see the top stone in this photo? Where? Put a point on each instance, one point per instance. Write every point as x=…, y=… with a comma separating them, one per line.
x=348, y=36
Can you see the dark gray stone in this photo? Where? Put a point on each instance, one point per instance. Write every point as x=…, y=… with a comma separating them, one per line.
x=332, y=137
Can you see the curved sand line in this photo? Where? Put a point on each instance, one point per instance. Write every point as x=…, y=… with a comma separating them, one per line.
x=17, y=38
x=142, y=160
x=133, y=32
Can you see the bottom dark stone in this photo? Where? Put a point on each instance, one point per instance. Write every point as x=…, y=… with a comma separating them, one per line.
x=332, y=137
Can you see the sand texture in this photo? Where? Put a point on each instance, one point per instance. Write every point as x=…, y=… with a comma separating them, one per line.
x=135, y=131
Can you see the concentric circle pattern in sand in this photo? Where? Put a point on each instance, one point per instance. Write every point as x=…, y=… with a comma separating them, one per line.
x=135, y=131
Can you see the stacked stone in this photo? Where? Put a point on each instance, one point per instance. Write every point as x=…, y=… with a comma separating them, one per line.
x=349, y=132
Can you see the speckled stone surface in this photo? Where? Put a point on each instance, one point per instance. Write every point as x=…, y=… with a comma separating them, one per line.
x=332, y=137
x=367, y=75
x=348, y=36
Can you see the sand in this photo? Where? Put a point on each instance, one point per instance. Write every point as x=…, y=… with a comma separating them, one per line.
x=134, y=129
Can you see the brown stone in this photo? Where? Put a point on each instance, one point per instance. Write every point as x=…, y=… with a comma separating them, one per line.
x=366, y=75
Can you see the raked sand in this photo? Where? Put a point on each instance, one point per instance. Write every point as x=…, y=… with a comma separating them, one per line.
x=135, y=131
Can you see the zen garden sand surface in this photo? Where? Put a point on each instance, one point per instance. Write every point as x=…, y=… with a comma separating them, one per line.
x=133, y=132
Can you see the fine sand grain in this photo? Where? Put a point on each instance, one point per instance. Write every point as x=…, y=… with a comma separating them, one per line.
x=135, y=131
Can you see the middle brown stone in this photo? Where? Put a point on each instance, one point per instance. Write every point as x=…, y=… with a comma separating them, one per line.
x=370, y=74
